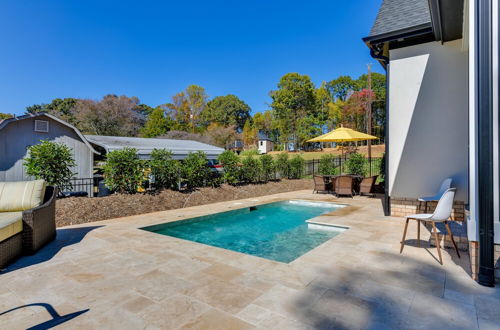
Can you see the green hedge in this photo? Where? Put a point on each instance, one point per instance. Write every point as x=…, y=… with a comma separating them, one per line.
x=165, y=170
x=52, y=162
x=230, y=163
x=194, y=170
x=123, y=171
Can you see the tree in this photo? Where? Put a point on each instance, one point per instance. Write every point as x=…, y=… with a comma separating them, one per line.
x=113, y=115
x=308, y=128
x=227, y=110
x=220, y=135
x=293, y=100
x=5, y=116
x=249, y=134
x=196, y=101
x=157, y=124
x=52, y=162
x=342, y=87
x=354, y=109
x=61, y=108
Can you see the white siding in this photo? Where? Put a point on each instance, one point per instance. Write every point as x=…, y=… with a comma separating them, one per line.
x=428, y=119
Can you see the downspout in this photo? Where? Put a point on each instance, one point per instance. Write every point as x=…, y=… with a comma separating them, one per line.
x=484, y=95
x=376, y=51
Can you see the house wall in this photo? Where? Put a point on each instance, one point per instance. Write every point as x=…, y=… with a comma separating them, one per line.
x=17, y=136
x=428, y=119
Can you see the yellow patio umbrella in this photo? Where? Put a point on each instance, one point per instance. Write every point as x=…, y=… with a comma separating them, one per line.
x=343, y=134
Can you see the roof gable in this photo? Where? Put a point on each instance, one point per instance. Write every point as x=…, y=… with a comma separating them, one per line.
x=7, y=121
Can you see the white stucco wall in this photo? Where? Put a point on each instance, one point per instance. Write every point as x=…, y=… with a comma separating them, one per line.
x=428, y=119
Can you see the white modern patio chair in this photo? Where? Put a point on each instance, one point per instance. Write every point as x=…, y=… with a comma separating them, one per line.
x=445, y=185
x=441, y=214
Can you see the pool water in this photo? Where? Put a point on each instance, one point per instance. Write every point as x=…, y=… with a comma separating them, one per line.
x=276, y=231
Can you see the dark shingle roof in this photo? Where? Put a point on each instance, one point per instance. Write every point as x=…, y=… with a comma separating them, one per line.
x=395, y=15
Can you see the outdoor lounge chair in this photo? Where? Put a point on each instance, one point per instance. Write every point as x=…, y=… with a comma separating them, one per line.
x=441, y=214
x=445, y=185
x=344, y=185
x=27, y=218
x=366, y=186
x=320, y=184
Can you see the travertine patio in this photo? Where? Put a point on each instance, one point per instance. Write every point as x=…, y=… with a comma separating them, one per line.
x=121, y=277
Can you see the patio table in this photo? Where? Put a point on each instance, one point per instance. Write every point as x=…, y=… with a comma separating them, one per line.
x=356, y=178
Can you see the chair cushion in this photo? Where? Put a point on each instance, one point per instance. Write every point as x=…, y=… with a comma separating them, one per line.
x=21, y=195
x=11, y=223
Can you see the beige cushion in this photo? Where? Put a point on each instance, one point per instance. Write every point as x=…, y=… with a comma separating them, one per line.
x=11, y=223
x=21, y=195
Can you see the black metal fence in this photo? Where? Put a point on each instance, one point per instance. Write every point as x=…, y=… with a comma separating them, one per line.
x=83, y=187
x=373, y=166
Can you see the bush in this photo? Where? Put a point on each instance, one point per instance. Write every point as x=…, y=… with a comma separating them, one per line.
x=282, y=165
x=165, y=170
x=195, y=171
x=296, y=165
x=267, y=165
x=356, y=164
x=250, y=152
x=123, y=171
x=230, y=162
x=327, y=165
x=251, y=170
x=52, y=162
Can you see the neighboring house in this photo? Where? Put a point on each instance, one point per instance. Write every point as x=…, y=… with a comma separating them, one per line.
x=236, y=146
x=265, y=143
x=441, y=58
x=19, y=133
x=179, y=148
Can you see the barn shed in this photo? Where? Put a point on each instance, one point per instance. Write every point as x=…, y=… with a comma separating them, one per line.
x=19, y=133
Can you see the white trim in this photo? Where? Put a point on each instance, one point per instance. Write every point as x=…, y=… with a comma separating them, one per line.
x=472, y=232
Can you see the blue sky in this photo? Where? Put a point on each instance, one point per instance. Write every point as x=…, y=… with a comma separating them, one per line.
x=154, y=49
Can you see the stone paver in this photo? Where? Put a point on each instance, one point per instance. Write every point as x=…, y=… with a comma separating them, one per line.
x=115, y=275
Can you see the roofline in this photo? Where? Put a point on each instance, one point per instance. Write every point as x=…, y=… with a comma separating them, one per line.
x=401, y=33
x=7, y=121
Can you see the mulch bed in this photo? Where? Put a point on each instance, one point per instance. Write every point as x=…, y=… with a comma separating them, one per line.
x=77, y=210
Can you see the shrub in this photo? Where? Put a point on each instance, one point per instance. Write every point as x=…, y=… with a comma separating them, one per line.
x=267, y=166
x=356, y=164
x=52, y=162
x=251, y=169
x=123, y=171
x=250, y=152
x=296, y=165
x=282, y=165
x=327, y=165
x=195, y=171
x=230, y=161
x=165, y=170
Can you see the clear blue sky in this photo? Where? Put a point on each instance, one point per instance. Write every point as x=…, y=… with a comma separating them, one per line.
x=154, y=49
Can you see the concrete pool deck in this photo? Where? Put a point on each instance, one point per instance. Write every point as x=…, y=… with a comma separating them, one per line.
x=120, y=277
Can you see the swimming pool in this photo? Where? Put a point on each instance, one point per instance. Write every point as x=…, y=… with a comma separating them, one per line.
x=276, y=231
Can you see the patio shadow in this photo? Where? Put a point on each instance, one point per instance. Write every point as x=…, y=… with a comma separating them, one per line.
x=65, y=237
x=411, y=296
x=56, y=318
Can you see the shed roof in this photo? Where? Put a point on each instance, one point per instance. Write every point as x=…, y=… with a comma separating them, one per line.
x=5, y=122
x=397, y=15
x=144, y=146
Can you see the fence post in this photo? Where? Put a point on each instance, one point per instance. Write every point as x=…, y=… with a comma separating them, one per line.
x=370, y=164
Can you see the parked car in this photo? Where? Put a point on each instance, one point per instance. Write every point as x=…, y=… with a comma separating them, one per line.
x=215, y=166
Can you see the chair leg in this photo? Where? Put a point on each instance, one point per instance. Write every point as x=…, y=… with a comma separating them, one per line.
x=451, y=236
x=434, y=229
x=418, y=233
x=404, y=236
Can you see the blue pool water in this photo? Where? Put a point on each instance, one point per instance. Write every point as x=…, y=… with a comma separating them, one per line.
x=276, y=231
